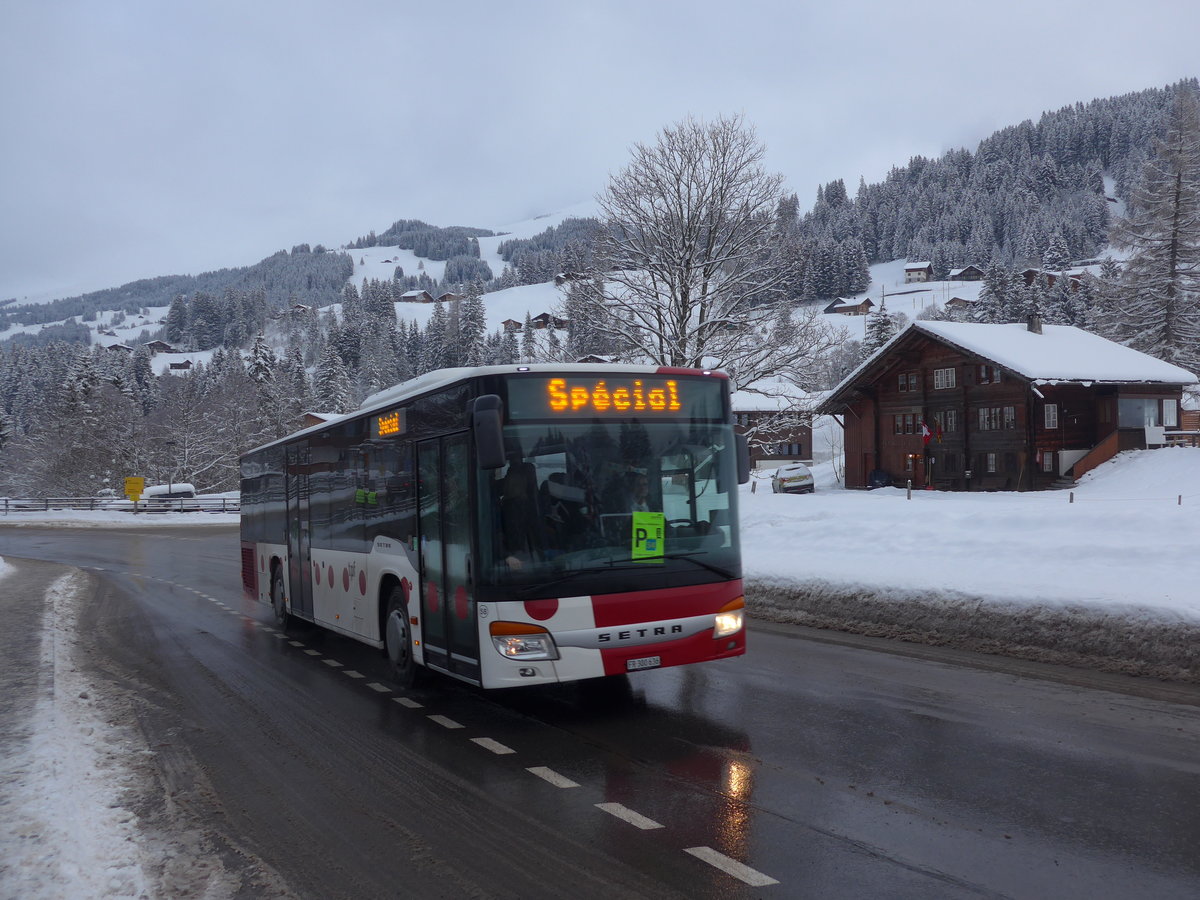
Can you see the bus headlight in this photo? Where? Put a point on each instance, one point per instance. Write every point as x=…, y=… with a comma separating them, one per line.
x=521, y=640
x=730, y=619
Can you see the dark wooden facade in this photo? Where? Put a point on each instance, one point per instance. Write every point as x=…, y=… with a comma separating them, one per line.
x=989, y=428
x=775, y=438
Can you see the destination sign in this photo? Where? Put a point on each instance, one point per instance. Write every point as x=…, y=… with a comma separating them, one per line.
x=598, y=396
x=390, y=424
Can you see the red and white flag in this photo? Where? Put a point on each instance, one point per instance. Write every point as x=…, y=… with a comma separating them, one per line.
x=926, y=434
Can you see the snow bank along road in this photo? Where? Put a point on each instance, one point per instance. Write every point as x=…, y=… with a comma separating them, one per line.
x=1110, y=581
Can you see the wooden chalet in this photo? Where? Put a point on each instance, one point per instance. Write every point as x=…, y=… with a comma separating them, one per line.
x=449, y=297
x=963, y=406
x=918, y=271
x=778, y=418
x=959, y=303
x=416, y=297
x=545, y=320
x=158, y=347
x=512, y=325
x=851, y=307
x=967, y=273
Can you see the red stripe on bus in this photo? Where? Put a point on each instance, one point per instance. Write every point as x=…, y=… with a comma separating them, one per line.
x=633, y=608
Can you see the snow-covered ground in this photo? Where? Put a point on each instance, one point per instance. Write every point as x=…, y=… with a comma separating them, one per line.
x=1125, y=546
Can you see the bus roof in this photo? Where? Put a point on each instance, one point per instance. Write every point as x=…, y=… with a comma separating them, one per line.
x=441, y=378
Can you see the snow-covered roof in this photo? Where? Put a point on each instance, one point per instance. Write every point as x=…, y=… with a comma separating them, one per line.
x=772, y=395
x=1059, y=353
x=917, y=265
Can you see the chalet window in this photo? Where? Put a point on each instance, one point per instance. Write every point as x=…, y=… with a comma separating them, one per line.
x=903, y=382
x=1047, y=460
x=1137, y=412
x=942, y=379
x=950, y=420
x=1170, y=417
x=993, y=418
x=988, y=375
x=910, y=423
x=898, y=426
x=1051, y=411
x=908, y=381
x=949, y=462
x=990, y=462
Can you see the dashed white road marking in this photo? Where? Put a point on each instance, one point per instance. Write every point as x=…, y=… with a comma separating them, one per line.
x=350, y=673
x=444, y=722
x=409, y=702
x=382, y=688
x=296, y=643
x=741, y=872
x=311, y=652
x=495, y=746
x=553, y=777
x=625, y=813
x=332, y=662
x=282, y=637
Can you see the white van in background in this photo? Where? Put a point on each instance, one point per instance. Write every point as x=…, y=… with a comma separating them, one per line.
x=172, y=497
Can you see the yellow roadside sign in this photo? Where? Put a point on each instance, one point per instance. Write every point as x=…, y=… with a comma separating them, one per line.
x=134, y=488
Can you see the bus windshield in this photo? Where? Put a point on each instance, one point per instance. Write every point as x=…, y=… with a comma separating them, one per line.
x=656, y=496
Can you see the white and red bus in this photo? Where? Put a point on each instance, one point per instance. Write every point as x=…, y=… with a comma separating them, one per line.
x=511, y=525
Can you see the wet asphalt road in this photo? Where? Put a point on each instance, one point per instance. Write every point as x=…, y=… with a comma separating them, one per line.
x=830, y=766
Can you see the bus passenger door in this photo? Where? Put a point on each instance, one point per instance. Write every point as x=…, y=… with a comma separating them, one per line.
x=447, y=603
x=299, y=550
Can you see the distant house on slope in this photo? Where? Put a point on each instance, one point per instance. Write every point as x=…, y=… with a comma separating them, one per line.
x=851, y=307
x=918, y=271
x=158, y=347
x=416, y=297
x=967, y=273
x=963, y=406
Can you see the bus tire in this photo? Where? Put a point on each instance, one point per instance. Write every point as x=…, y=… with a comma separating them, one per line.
x=283, y=618
x=398, y=640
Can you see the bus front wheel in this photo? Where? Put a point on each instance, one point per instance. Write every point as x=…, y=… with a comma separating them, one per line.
x=398, y=640
x=278, y=603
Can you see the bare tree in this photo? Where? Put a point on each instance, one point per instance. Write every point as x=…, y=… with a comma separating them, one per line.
x=692, y=271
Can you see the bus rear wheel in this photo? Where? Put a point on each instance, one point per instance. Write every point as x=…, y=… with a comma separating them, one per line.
x=398, y=640
x=283, y=618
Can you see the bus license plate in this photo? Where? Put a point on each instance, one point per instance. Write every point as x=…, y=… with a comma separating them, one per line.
x=646, y=662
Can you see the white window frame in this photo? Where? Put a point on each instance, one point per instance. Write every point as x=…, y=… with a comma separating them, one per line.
x=1170, y=413
x=943, y=379
x=990, y=463
x=1048, y=461
x=1051, y=415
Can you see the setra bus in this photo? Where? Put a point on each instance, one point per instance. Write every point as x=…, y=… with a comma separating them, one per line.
x=510, y=525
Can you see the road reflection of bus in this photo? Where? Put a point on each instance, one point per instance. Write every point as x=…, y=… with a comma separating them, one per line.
x=511, y=525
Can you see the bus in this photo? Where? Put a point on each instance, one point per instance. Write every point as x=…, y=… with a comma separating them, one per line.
x=510, y=525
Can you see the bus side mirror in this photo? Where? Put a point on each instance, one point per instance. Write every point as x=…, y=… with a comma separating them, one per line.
x=486, y=413
x=743, y=458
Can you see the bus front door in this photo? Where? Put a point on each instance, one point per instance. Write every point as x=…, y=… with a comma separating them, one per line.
x=299, y=551
x=451, y=633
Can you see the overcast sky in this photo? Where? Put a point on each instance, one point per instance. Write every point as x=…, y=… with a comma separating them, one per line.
x=144, y=138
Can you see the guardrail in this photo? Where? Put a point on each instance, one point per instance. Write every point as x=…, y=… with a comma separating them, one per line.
x=108, y=504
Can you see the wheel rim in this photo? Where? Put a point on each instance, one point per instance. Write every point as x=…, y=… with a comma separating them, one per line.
x=397, y=639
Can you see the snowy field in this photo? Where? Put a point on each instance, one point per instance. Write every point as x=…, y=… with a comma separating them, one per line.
x=1126, y=546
